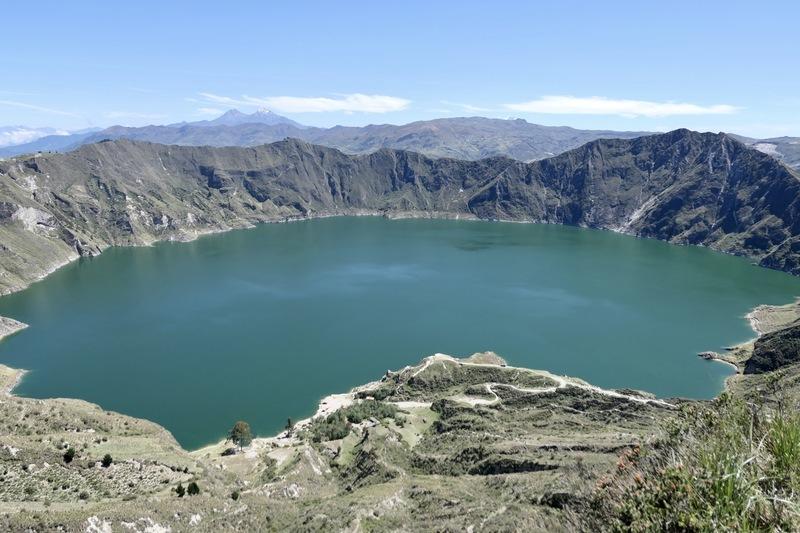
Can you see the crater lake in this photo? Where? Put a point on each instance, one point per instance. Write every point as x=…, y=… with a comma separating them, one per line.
x=260, y=324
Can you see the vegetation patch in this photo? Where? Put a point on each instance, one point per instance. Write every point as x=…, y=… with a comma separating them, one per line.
x=337, y=425
x=728, y=465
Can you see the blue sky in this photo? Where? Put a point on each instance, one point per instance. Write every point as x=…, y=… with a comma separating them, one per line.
x=718, y=66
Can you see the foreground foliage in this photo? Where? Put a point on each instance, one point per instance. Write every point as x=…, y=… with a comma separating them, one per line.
x=729, y=465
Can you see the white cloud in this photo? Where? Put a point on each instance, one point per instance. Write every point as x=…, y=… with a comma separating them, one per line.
x=41, y=109
x=209, y=111
x=598, y=105
x=222, y=100
x=134, y=115
x=467, y=107
x=12, y=136
x=348, y=103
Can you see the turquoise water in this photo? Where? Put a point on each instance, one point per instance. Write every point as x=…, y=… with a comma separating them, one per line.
x=260, y=324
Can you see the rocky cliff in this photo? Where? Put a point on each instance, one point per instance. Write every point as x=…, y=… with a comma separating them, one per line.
x=682, y=187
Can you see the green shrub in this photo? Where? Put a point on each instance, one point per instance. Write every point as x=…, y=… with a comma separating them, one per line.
x=337, y=425
x=358, y=412
x=332, y=427
x=69, y=455
x=725, y=466
x=270, y=468
x=193, y=489
x=107, y=460
x=783, y=443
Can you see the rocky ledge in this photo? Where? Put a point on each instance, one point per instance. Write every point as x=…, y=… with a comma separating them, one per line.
x=9, y=326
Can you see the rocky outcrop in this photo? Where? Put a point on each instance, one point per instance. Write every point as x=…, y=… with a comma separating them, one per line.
x=682, y=187
x=775, y=350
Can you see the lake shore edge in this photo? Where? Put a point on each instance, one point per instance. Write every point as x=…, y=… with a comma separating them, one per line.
x=189, y=234
x=774, y=316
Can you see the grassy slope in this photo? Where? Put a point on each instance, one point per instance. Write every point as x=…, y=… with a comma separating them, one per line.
x=437, y=450
x=731, y=464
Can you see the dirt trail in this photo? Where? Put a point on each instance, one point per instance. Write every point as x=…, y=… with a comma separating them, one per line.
x=561, y=382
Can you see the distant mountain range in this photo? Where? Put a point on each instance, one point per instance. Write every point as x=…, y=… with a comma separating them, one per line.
x=234, y=117
x=461, y=138
x=469, y=138
x=785, y=149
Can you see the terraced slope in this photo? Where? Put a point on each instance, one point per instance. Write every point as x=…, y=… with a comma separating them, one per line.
x=446, y=444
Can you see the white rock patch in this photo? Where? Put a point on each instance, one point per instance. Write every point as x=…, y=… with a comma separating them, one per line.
x=32, y=218
x=767, y=148
x=13, y=451
x=30, y=183
x=146, y=525
x=95, y=525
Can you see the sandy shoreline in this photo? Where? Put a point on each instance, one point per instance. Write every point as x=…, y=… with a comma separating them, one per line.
x=767, y=318
x=762, y=319
x=7, y=386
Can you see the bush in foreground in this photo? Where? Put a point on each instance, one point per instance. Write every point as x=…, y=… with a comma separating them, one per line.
x=69, y=455
x=725, y=466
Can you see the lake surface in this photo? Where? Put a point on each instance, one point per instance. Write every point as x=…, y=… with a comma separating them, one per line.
x=260, y=324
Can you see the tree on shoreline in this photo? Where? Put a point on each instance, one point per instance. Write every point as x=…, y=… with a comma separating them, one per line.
x=240, y=434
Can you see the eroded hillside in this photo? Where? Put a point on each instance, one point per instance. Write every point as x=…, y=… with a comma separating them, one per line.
x=682, y=187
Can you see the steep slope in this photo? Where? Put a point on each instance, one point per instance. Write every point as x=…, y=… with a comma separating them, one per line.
x=682, y=187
